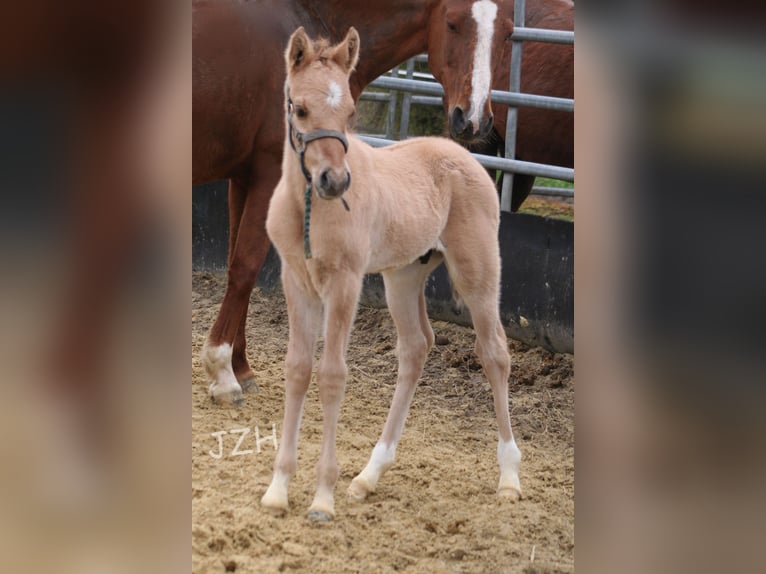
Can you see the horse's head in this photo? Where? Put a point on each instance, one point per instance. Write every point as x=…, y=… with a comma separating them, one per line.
x=466, y=41
x=319, y=106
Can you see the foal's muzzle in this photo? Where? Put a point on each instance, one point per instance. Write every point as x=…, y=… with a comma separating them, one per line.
x=333, y=183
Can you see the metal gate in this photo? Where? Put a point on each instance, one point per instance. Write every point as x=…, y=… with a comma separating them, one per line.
x=423, y=89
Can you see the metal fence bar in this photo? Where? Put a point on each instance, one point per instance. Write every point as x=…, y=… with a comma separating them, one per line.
x=375, y=96
x=415, y=99
x=497, y=96
x=428, y=100
x=521, y=33
x=501, y=163
x=553, y=191
x=513, y=112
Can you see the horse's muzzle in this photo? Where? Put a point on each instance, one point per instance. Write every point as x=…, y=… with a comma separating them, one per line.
x=333, y=183
x=462, y=129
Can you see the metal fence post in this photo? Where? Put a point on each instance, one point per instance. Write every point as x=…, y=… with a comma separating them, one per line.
x=404, y=123
x=392, y=108
x=513, y=112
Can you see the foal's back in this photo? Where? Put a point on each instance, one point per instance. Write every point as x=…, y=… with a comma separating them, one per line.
x=418, y=188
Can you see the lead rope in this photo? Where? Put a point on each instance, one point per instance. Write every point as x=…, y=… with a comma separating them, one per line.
x=307, y=222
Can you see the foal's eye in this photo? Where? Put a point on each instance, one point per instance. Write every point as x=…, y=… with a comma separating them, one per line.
x=452, y=27
x=301, y=112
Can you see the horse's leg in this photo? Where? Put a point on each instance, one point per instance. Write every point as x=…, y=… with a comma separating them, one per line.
x=522, y=183
x=407, y=305
x=304, y=314
x=237, y=195
x=340, y=297
x=250, y=249
x=475, y=272
x=522, y=187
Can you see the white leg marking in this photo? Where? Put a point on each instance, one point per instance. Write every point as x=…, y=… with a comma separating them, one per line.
x=334, y=94
x=509, y=459
x=484, y=13
x=217, y=361
x=381, y=459
x=276, y=495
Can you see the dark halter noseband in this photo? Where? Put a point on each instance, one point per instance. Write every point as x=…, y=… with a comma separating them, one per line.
x=303, y=139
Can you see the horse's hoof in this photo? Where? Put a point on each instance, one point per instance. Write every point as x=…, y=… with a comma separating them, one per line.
x=319, y=516
x=358, y=490
x=249, y=385
x=229, y=399
x=509, y=493
x=273, y=507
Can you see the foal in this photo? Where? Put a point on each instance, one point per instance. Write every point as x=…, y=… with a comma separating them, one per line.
x=425, y=195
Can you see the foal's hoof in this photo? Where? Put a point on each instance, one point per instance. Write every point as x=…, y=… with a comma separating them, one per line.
x=509, y=493
x=273, y=504
x=319, y=516
x=249, y=385
x=358, y=490
x=228, y=399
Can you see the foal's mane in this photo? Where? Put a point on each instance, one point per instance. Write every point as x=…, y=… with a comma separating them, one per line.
x=322, y=50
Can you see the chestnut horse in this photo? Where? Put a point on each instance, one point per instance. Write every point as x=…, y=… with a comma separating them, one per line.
x=237, y=130
x=424, y=195
x=543, y=136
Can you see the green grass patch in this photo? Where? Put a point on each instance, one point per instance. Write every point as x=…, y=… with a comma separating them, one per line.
x=547, y=182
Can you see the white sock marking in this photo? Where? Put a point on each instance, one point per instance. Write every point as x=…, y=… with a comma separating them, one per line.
x=484, y=13
x=509, y=459
x=334, y=94
x=382, y=456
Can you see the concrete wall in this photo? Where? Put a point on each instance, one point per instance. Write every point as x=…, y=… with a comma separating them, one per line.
x=537, y=296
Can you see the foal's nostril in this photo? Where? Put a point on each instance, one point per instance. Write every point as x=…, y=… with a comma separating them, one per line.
x=324, y=179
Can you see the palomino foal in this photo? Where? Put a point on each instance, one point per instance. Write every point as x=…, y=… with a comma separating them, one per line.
x=419, y=196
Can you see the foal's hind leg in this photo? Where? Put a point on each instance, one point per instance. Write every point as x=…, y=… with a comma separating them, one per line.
x=476, y=275
x=492, y=349
x=304, y=314
x=406, y=302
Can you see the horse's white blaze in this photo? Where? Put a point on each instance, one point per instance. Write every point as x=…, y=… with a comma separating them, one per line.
x=334, y=94
x=484, y=13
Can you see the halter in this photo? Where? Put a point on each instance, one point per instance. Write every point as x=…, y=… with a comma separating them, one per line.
x=303, y=140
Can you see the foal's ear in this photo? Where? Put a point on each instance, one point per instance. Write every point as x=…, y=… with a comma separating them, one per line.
x=347, y=52
x=299, y=49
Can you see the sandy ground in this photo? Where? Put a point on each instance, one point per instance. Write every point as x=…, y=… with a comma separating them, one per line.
x=435, y=510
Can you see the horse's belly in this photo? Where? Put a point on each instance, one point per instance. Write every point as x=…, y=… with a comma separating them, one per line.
x=403, y=245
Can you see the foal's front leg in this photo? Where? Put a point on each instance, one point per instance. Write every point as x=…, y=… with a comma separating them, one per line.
x=304, y=312
x=340, y=298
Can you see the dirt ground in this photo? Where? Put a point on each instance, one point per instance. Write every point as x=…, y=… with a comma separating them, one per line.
x=560, y=208
x=435, y=510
